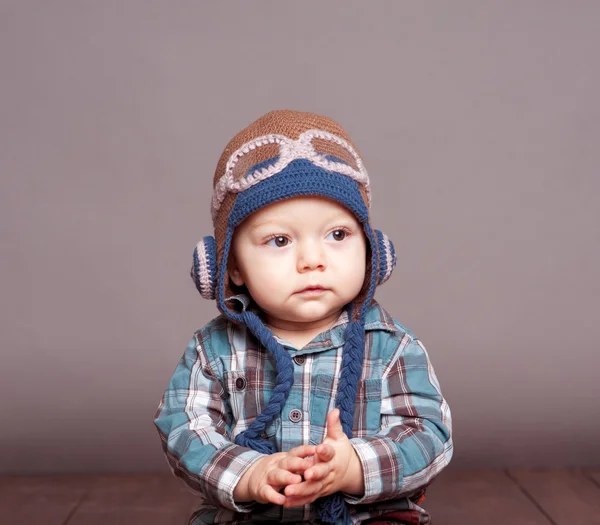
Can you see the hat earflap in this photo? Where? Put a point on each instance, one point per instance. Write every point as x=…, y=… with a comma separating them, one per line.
x=204, y=269
x=387, y=257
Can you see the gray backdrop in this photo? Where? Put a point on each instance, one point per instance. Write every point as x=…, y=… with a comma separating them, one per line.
x=479, y=123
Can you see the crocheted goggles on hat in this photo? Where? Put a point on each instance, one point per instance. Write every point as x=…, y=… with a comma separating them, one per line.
x=322, y=149
x=282, y=155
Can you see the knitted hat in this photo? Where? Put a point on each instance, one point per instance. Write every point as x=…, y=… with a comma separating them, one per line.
x=281, y=155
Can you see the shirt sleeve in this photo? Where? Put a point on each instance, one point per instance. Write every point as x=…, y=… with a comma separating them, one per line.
x=194, y=425
x=415, y=439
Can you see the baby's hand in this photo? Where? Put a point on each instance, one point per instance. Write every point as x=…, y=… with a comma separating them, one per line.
x=265, y=478
x=337, y=467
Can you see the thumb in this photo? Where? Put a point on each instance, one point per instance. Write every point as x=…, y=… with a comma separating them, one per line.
x=334, y=425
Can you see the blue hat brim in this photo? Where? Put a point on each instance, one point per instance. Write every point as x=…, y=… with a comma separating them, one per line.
x=300, y=178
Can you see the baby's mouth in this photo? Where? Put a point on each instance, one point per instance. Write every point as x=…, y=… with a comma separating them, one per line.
x=317, y=289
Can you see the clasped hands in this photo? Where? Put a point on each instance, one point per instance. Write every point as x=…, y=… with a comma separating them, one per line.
x=305, y=473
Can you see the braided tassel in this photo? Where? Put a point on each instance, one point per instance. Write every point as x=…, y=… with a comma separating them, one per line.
x=333, y=509
x=251, y=437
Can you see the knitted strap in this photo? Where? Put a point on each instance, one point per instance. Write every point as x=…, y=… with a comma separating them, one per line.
x=352, y=361
x=333, y=508
x=251, y=437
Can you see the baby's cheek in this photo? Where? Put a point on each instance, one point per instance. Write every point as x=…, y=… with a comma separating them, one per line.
x=268, y=283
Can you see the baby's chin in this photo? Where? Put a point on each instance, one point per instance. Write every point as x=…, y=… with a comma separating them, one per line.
x=310, y=315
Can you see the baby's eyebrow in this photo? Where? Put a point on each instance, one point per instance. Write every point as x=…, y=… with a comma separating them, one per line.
x=284, y=223
x=344, y=220
x=268, y=223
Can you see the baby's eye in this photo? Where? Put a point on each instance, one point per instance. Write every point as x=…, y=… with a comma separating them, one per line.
x=278, y=242
x=337, y=235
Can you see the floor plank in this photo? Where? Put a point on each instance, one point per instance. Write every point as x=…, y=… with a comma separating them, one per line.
x=457, y=497
x=490, y=497
x=567, y=495
x=41, y=500
x=145, y=499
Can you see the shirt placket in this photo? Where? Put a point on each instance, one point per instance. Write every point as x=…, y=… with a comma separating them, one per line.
x=295, y=426
x=295, y=420
x=295, y=416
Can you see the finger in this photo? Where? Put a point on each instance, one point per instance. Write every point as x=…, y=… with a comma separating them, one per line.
x=302, y=451
x=325, y=452
x=303, y=490
x=296, y=464
x=270, y=495
x=334, y=425
x=318, y=472
x=280, y=478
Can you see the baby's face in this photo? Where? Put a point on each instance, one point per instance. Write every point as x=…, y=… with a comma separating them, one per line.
x=301, y=259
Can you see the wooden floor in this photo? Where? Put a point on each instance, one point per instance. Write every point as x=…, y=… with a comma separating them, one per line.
x=457, y=497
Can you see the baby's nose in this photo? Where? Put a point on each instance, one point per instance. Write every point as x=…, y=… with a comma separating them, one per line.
x=311, y=256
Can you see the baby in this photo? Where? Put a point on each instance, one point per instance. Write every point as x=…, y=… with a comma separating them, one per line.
x=304, y=401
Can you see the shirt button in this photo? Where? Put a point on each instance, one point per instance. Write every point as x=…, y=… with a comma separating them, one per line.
x=295, y=415
x=299, y=359
x=240, y=383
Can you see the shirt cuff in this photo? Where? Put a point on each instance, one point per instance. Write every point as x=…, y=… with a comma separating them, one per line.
x=376, y=470
x=224, y=472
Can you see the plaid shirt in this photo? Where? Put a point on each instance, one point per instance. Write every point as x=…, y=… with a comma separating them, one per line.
x=402, y=423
